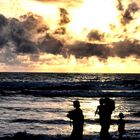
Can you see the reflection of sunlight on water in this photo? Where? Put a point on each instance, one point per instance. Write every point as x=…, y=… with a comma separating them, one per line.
x=91, y=129
x=89, y=106
x=50, y=114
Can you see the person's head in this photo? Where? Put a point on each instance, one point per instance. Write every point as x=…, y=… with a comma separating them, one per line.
x=102, y=101
x=107, y=98
x=121, y=115
x=76, y=104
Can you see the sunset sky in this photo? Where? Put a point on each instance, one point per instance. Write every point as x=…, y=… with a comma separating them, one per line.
x=98, y=36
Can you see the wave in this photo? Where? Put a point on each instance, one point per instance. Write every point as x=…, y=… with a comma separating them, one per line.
x=83, y=85
x=65, y=122
x=72, y=93
x=40, y=121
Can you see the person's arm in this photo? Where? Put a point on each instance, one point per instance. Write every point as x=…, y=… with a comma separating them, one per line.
x=68, y=115
x=97, y=110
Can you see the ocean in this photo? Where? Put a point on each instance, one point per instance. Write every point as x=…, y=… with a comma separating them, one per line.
x=37, y=103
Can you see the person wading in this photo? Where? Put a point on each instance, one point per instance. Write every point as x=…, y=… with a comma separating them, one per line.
x=77, y=118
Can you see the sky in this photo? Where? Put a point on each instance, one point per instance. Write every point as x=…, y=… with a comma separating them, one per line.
x=86, y=36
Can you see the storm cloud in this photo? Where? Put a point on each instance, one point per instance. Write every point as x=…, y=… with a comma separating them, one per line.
x=20, y=34
x=30, y=36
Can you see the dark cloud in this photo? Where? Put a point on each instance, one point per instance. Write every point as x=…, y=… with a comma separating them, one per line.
x=83, y=49
x=3, y=21
x=3, y=41
x=127, y=48
x=61, y=30
x=23, y=34
x=127, y=17
x=133, y=7
x=7, y=55
x=51, y=45
x=17, y=31
x=120, y=5
x=27, y=47
x=30, y=36
x=95, y=35
x=31, y=21
x=64, y=17
x=128, y=14
x=121, y=49
x=64, y=20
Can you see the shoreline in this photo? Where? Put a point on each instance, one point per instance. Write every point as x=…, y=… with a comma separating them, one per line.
x=130, y=135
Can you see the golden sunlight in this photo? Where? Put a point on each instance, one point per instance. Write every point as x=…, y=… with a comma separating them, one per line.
x=93, y=14
x=90, y=15
x=89, y=36
x=49, y=12
x=49, y=63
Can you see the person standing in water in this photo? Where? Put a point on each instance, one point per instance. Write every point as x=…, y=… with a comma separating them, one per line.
x=77, y=118
x=121, y=125
x=104, y=111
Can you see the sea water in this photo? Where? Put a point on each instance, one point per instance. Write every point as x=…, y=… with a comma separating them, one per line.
x=38, y=102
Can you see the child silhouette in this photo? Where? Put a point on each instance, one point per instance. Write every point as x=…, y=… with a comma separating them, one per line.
x=121, y=125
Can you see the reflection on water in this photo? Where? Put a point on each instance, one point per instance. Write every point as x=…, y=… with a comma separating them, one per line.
x=40, y=115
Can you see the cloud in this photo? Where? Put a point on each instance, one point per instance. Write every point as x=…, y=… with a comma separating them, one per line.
x=127, y=48
x=27, y=47
x=3, y=21
x=85, y=49
x=122, y=49
x=120, y=5
x=95, y=35
x=3, y=41
x=7, y=55
x=128, y=13
x=51, y=45
x=31, y=36
x=60, y=30
x=27, y=36
x=64, y=19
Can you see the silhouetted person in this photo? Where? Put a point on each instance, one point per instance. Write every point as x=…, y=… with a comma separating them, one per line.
x=105, y=109
x=101, y=111
x=109, y=107
x=121, y=125
x=77, y=118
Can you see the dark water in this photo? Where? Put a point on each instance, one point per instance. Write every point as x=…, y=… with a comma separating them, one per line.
x=63, y=84
x=38, y=102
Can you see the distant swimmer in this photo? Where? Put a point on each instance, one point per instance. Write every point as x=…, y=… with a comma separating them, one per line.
x=77, y=118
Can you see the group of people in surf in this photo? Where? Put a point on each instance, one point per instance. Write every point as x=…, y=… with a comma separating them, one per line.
x=104, y=110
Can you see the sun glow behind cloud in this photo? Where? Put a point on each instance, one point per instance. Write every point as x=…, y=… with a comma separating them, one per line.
x=83, y=36
x=93, y=14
